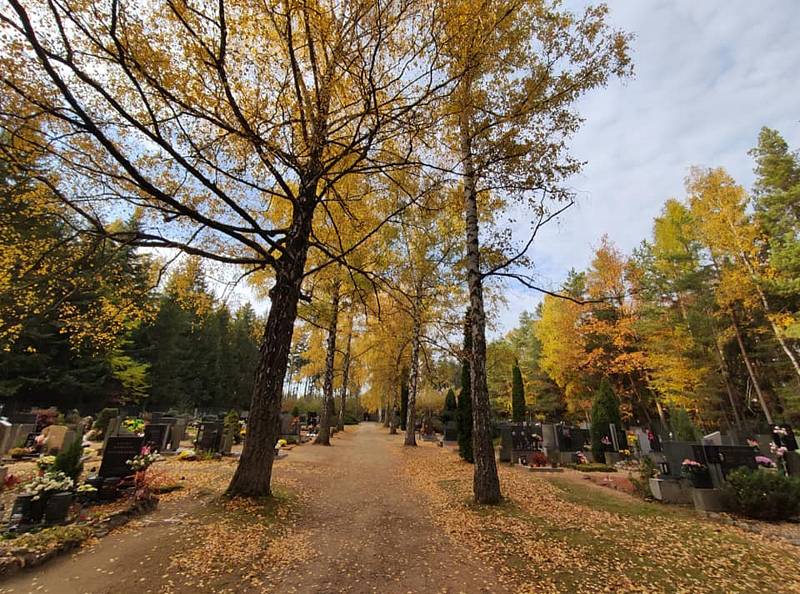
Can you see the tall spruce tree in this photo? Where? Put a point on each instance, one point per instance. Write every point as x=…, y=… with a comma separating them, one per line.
x=605, y=410
x=517, y=395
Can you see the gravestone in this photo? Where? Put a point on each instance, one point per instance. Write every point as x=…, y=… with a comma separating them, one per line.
x=119, y=449
x=290, y=427
x=521, y=440
x=59, y=438
x=177, y=434
x=722, y=459
x=112, y=429
x=450, y=431
x=156, y=436
x=209, y=436
x=550, y=437
x=19, y=433
x=675, y=452
x=114, y=470
x=6, y=431
x=30, y=440
x=643, y=441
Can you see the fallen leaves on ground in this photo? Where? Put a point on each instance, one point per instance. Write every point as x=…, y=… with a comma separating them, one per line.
x=549, y=536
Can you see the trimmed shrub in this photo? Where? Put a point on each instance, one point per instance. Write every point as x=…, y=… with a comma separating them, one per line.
x=762, y=494
x=69, y=460
x=517, y=395
x=682, y=426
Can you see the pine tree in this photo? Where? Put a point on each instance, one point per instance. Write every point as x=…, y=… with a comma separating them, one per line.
x=450, y=409
x=464, y=417
x=605, y=410
x=517, y=395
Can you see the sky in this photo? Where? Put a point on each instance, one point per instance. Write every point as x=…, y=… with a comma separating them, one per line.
x=708, y=75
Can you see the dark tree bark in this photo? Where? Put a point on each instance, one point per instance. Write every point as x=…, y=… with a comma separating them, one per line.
x=345, y=378
x=411, y=419
x=254, y=472
x=324, y=435
x=485, y=484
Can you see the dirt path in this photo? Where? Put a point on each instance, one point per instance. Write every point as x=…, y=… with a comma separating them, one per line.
x=368, y=529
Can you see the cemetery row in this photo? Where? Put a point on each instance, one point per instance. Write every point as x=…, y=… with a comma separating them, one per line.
x=719, y=472
x=62, y=470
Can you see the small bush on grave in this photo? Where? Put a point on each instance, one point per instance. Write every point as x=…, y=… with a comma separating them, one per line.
x=69, y=461
x=762, y=494
x=647, y=470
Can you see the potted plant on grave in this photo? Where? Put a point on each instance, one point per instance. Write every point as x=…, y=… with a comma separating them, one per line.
x=37, y=492
x=697, y=473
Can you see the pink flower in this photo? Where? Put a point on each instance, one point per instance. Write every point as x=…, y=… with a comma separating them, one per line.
x=765, y=462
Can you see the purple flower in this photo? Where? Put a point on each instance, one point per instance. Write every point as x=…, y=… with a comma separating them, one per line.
x=765, y=462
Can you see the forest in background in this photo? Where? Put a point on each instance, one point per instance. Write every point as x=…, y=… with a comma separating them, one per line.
x=703, y=316
x=86, y=323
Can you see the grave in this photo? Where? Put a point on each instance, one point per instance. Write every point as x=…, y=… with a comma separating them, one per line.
x=209, y=436
x=722, y=459
x=59, y=438
x=290, y=428
x=450, y=431
x=156, y=436
x=6, y=431
x=177, y=434
x=114, y=472
x=518, y=441
x=19, y=433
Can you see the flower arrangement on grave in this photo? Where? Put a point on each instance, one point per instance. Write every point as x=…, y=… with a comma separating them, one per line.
x=780, y=455
x=605, y=440
x=697, y=473
x=538, y=459
x=625, y=453
x=187, y=455
x=134, y=425
x=86, y=488
x=581, y=458
x=753, y=443
x=144, y=460
x=43, y=463
x=47, y=484
x=764, y=462
x=780, y=431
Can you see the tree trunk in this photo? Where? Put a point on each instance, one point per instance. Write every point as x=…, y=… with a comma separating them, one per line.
x=411, y=419
x=324, y=434
x=726, y=376
x=254, y=471
x=767, y=311
x=485, y=484
x=751, y=372
x=345, y=378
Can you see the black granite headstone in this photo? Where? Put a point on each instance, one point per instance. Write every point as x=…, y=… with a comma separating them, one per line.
x=119, y=449
x=156, y=436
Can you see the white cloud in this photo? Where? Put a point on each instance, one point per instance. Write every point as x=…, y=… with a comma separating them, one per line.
x=709, y=75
